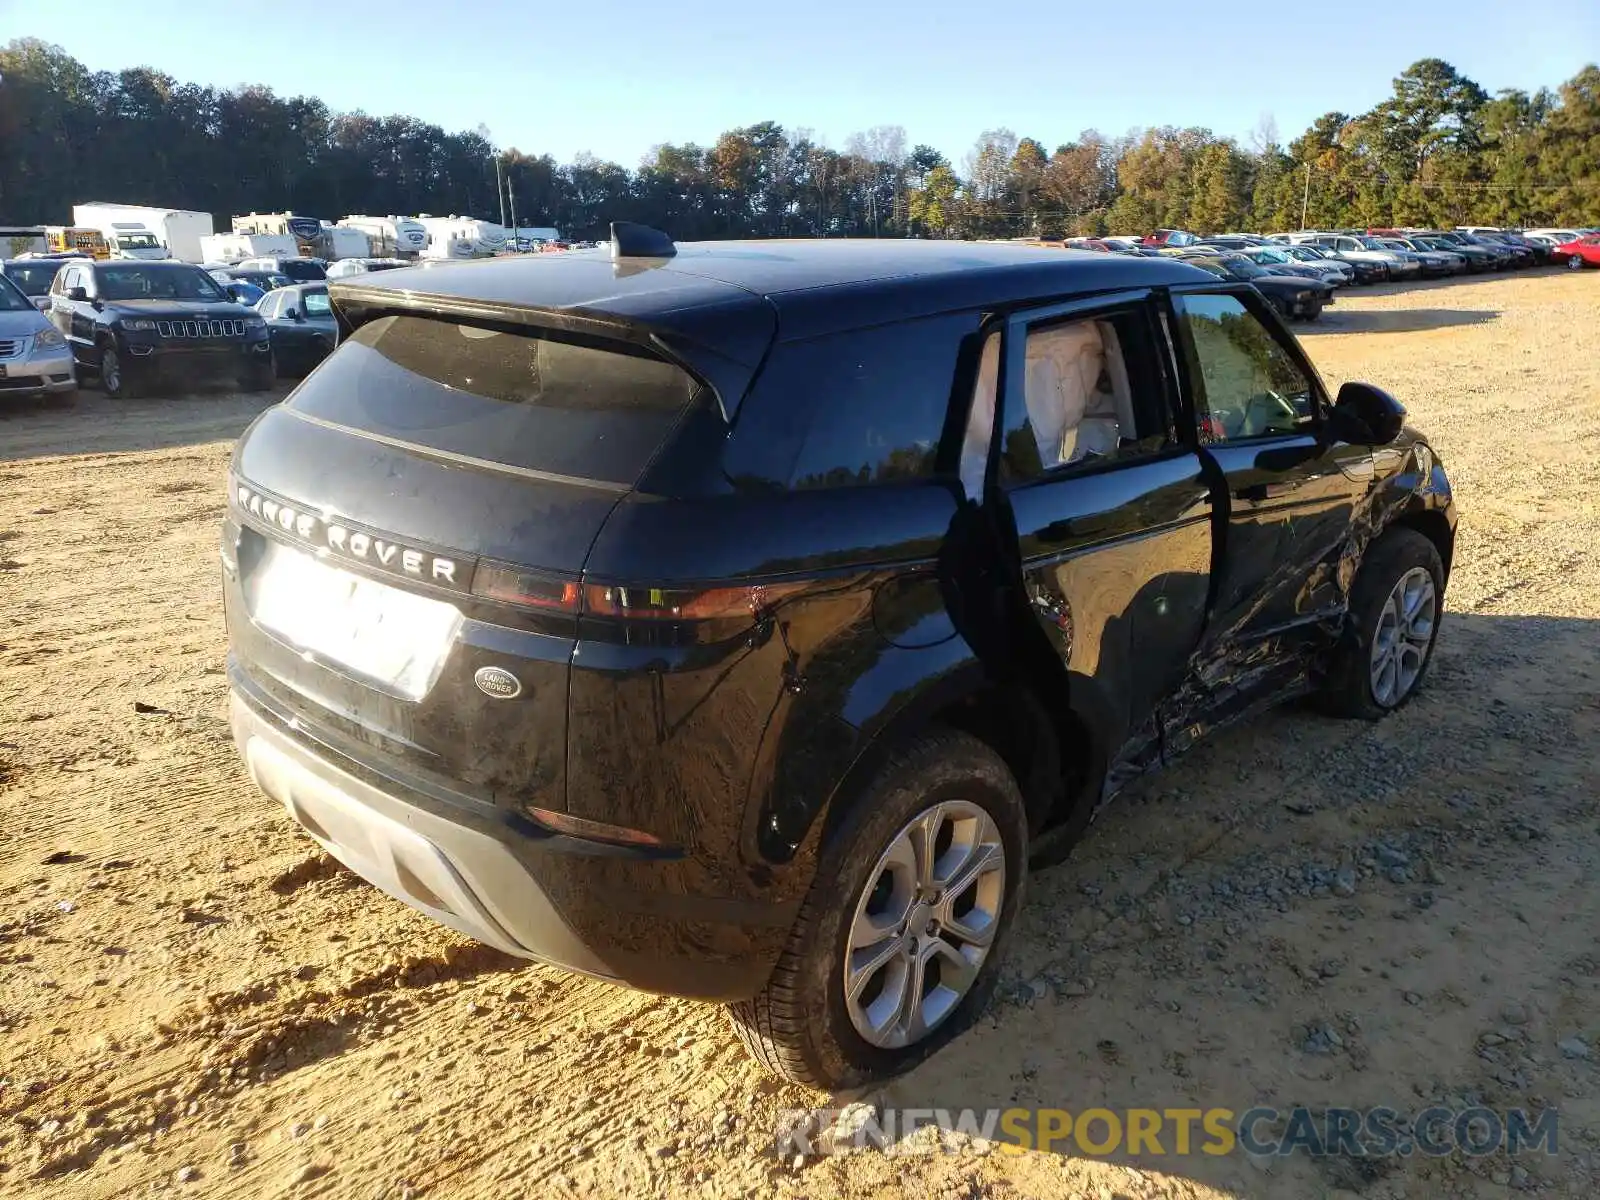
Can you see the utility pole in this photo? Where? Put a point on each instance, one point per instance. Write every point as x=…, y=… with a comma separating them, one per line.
x=500, y=190
x=1305, y=199
x=512, y=195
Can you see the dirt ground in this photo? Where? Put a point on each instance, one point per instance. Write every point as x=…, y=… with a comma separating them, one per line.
x=1304, y=911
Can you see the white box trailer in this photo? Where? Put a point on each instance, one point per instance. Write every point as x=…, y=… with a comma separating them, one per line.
x=178, y=230
x=392, y=237
x=17, y=240
x=236, y=247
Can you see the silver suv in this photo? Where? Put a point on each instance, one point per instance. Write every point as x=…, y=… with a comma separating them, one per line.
x=1358, y=246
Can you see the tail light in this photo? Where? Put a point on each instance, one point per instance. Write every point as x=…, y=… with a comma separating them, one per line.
x=526, y=589
x=626, y=602
x=669, y=604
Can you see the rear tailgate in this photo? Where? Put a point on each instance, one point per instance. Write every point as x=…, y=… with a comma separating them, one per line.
x=408, y=530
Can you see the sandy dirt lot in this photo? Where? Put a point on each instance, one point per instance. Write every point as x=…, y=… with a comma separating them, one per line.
x=1304, y=911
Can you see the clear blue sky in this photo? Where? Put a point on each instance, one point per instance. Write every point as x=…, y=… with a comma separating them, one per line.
x=614, y=77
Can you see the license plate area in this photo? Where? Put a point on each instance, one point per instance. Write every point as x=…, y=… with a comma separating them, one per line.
x=391, y=639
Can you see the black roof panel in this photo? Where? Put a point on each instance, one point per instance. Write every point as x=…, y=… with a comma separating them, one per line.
x=813, y=286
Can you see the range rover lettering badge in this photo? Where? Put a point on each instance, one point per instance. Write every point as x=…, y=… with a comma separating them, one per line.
x=497, y=682
x=330, y=537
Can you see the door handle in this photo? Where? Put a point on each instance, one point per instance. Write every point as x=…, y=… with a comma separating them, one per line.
x=1263, y=491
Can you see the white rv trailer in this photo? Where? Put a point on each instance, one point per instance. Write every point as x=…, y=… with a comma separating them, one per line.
x=392, y=237
x=234, y=248
x=340, y=241
x=461, y=237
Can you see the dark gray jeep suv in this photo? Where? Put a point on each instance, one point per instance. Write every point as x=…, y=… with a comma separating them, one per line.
x=742, y=620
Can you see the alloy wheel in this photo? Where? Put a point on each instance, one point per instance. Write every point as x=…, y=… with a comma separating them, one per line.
x=110, y=373
x=924, y=923
x=1404, y=634
x=1574, y=263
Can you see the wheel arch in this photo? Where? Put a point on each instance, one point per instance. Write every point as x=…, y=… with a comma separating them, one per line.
x=1053, y=753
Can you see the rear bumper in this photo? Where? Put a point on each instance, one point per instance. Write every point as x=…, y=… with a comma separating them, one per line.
x=497, y=877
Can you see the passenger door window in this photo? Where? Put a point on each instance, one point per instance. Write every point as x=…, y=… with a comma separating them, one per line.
x=1092, y=393
x=1252, y=386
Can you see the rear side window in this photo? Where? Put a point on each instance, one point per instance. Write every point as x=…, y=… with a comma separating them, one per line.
x=587, y=410
x=861, y=407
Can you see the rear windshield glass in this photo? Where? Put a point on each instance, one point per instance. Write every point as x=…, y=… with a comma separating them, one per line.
x=302, y=271
x=33, y=278
x=523, y=399
x=12, y=299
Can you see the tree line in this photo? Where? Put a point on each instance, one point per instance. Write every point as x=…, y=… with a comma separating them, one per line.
x=1439, y=151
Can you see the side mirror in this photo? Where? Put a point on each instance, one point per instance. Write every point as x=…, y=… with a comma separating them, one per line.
x=293, y=314
x=77, y=295
x=1364, y=415
x=42, y=303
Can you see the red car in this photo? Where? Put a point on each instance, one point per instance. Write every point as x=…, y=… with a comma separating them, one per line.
x=1585, y=252
x=1169, y=237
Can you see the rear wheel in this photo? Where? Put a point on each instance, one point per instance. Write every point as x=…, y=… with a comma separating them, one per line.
x=1391, y=628
x=896, y=947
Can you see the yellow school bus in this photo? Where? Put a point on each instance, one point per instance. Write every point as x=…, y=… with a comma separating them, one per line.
x=63, y=239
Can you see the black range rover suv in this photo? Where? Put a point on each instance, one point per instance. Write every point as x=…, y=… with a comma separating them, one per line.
x=741, y=620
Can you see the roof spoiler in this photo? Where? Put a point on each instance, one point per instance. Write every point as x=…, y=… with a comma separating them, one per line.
x=632, y=240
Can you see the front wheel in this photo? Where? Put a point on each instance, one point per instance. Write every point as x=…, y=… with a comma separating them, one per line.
x=1390, y=629
x=114, y=379
x=258, y=376
x=1574, y=263
x=896, y=947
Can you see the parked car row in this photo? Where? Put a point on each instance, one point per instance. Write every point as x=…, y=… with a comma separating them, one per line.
x=1298, y=272
x=132, y=324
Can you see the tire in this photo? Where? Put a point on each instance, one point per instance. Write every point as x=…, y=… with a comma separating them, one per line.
x=1398, y=562
x=1315, y=311
x=1574, y=263
x=114, y=379
x=801, y=1026
x=258, y=376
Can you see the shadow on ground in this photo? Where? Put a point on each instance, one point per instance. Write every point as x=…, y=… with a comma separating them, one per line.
x=90, y=422
x=1172, y=985
x=1394, y=320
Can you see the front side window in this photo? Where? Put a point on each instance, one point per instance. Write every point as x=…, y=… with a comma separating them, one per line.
x=1252, y=386
x=316, y=304
x=1091, y=395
